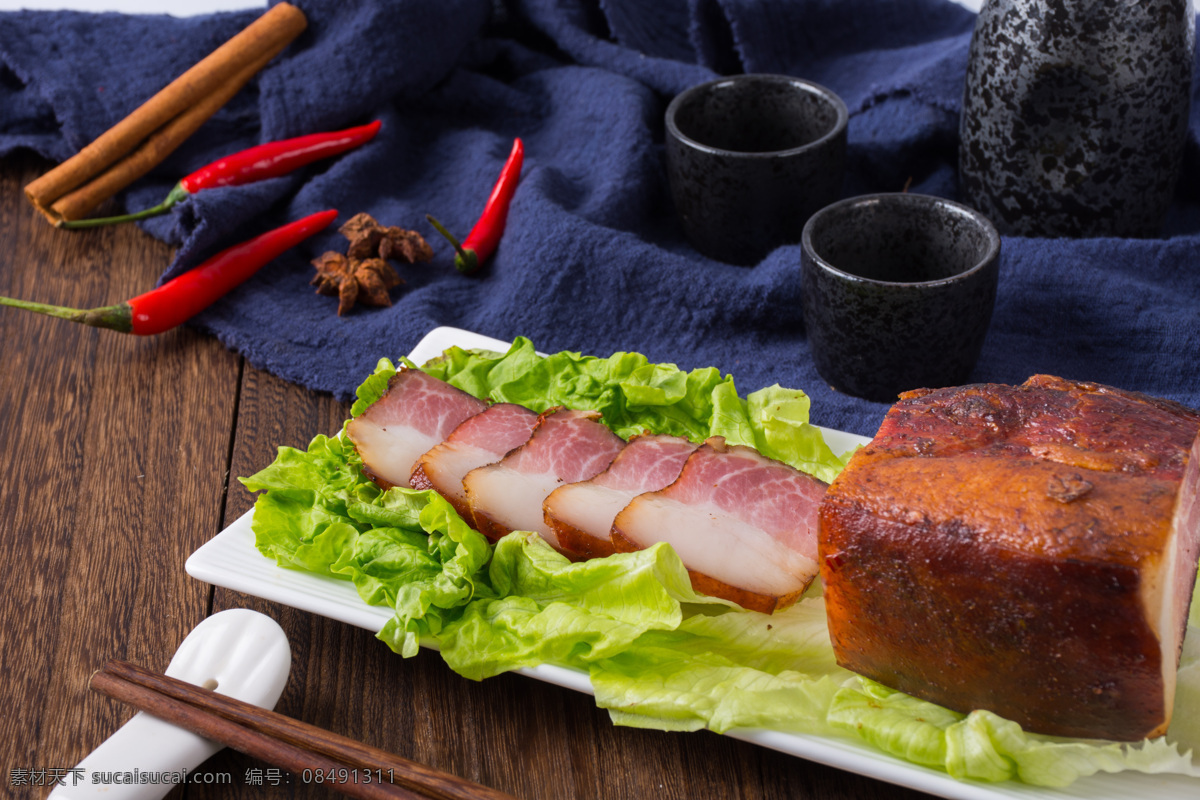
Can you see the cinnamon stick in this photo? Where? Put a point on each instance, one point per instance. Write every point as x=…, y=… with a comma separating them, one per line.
x=82, y=201
x=222, y=73
x=274, y=737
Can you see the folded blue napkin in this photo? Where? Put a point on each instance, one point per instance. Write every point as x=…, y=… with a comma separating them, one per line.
x=593, y=258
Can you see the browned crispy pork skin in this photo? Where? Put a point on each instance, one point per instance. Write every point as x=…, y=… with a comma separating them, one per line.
x=1030, y=550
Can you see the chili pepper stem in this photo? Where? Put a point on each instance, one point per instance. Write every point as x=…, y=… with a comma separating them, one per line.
x=465, y=259
x=117, y=318
x=176, y=194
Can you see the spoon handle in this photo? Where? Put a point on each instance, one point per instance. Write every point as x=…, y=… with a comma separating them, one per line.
x=238, y=653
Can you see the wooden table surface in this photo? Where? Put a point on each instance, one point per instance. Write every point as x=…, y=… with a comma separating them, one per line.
x=120, y=458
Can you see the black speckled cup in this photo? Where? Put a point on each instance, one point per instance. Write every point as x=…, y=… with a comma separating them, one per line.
x=1075, y=114
x=750, y=158
x=898, y=291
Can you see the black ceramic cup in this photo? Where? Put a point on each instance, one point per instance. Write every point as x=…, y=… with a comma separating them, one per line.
x=898, y=291
x=750, y=158
x=1075, y=114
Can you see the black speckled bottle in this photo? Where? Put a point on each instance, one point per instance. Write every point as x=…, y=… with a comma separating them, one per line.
x=1075, y=114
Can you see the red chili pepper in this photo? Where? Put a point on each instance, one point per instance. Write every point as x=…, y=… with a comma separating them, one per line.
x=481, y=242
x=269, y=160
x=181, y=298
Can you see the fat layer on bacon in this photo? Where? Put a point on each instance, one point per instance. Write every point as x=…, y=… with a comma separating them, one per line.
x=416, y=412
x=743, y=524
x=480, y=440
x=565, y=447
x=581, y=514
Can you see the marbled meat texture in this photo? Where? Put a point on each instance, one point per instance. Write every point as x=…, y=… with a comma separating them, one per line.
x=1030, y=550
x=744, y=525
x=581, y=514
x=415, y=413
x=566, y=446
x=481, y=440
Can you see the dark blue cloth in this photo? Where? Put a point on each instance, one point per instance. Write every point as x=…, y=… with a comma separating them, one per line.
x=593, y=259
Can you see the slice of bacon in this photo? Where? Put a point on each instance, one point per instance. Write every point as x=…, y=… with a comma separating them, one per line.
x=481, y=440
x=566, y=446
x=581, y=514
x=743, y=524
x=416, y=412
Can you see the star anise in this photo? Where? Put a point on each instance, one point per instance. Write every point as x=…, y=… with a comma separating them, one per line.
x=369, y=239
x=363, y=274
x=375, y=276
x=353, y=281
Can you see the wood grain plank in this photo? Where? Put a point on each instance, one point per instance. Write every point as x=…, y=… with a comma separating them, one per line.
x=114, y=448
x=335, y=680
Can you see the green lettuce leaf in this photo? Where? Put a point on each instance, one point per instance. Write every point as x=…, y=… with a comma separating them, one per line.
x=301, y=518
x=405, y=549
x=551, y=610
x=726, y=669
x=1185, y=722
x=985, y=747
x=658, y=654
x=635, y=395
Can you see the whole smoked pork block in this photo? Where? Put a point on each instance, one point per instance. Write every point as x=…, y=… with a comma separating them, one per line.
x=1030, y=550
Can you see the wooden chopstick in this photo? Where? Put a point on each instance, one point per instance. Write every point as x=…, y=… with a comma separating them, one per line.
x=281, y=740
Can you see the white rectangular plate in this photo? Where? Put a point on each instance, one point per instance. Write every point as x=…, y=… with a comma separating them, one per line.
x=230, y=560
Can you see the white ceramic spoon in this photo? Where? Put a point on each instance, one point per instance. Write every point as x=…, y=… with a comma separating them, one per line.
x=239, y=653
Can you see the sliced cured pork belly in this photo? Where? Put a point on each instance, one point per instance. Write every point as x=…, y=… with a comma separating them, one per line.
x=481, y=440
x=416, y=412
x=1030, y=550
x=566, y=446
x=581, y=514
x=743, y=524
